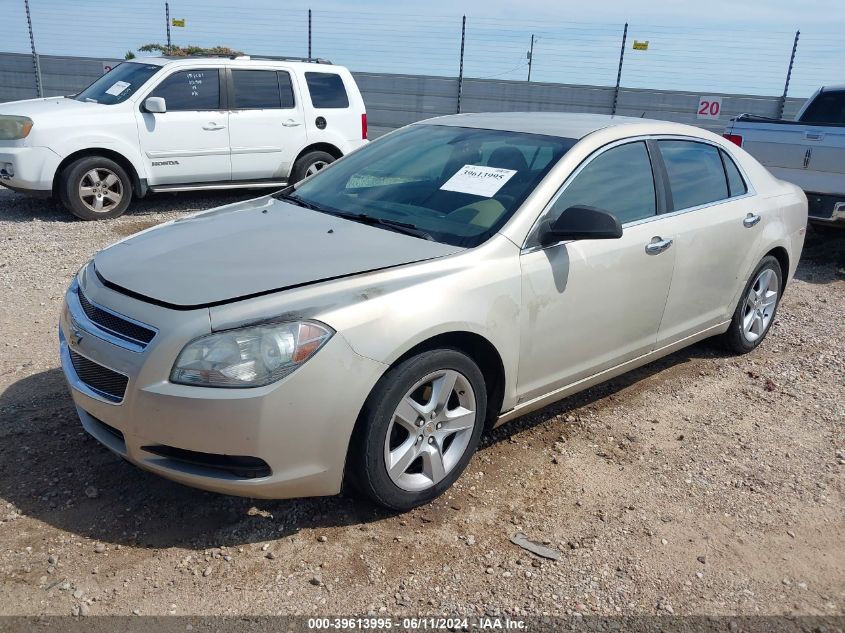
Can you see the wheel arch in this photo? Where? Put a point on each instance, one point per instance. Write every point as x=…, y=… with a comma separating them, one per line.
x=139, y=189
x=320, y=147
x=482, y=352
x=781, y=254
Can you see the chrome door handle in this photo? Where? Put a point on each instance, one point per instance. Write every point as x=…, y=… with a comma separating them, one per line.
x=291, y=123
x=657, y=245
x=211, y=127
x=750, y=220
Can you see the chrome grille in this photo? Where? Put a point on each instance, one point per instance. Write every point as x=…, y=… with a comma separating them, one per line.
x=109, y=384
x=115, y=324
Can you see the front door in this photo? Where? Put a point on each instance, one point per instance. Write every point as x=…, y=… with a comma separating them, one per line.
x=190, y=141
x=589, y=305
x=266, y=124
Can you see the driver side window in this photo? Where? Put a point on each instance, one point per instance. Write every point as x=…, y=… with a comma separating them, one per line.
x=619, y=180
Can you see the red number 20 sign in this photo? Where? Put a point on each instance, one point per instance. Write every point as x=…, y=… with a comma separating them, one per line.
x=709, y=107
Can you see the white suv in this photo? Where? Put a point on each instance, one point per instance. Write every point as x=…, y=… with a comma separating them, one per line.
x=163, y=124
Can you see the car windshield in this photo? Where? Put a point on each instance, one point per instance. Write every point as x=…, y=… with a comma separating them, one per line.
x=117, y=85
x=451, y=184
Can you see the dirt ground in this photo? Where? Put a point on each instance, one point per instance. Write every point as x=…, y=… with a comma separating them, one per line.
x=701, y=484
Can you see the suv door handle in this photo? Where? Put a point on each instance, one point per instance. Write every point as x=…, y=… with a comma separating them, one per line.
x=212, y=126
x=291, y=123
x=750, y=220
x=657, y=245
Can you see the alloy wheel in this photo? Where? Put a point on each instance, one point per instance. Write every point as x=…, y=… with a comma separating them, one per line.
x=430, y=430
x=100, y=190
x=760, y=305
x=314, y=167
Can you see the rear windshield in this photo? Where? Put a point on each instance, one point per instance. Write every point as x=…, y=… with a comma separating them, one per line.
x=120, y=83
x=458, y=185
x=327, y=90
x=827, y=108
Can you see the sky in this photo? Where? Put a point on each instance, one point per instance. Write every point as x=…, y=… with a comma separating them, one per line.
x=704, y=46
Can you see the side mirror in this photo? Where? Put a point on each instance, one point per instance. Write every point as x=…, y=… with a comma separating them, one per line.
x=581, y=223
x=156, y=105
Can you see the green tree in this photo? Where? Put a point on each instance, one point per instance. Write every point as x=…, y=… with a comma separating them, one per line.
x=189, y=51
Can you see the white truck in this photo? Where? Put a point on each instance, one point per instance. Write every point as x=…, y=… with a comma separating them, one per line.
x=809, y=151
x=181, y=124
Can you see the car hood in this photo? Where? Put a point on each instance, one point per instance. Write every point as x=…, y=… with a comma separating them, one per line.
x=49, y=106
x=249, y=249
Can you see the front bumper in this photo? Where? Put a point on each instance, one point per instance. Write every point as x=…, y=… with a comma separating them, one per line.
x=299, y=427
x=28, y=169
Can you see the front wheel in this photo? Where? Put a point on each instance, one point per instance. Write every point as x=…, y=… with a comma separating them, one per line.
x=95, y=188
x=418, y=429
x=757, y=307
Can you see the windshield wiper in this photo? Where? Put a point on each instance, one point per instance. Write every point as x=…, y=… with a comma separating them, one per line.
x=394, y=225
x=287, y=197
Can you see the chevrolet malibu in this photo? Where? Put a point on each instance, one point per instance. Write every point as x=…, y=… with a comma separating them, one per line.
x=368, y=324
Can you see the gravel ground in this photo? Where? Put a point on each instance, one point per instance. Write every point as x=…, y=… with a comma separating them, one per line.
x=701, y=484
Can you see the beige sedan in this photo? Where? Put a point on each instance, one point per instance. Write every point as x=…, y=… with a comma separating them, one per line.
x=368, y=324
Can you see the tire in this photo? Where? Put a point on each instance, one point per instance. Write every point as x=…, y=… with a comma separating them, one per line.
x=107, y=183
x=740, y=338
x=416, y=477
x=309, y=164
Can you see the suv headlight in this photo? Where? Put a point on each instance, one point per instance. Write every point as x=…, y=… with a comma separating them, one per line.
x=249, y=357
x=13, y=128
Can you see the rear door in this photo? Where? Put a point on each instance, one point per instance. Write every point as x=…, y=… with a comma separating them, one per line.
x=190, y=141
x=266, y=124
x=826, y=140
x=334, y=116
x=717, y=223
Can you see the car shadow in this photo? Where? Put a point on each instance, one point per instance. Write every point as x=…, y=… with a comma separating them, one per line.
x=17, y=207
x=823, y=257
x=53, y=471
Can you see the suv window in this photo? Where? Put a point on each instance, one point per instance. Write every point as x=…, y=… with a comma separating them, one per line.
x=256, y=90
x=696, y=174
x=190, y=90
x=119, y=84
x=286, y=89
x=828, y=107
x=619, y=180
x=736, y=184
x=327, y=90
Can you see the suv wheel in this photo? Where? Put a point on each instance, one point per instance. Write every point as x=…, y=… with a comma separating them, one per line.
x=421, y=425
x=757, y=307
x=309, y=164
x=95, y=188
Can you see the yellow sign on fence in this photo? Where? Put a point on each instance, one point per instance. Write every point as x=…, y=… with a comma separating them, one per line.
x=640, y=46
x=179, y=22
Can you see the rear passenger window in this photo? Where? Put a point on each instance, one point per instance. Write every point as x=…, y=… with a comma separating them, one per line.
x=190, y=90
x=327, y=90
x=256, y=90
x=736, y=185
x=828, y=107
x=696, y=175
x=619, y=180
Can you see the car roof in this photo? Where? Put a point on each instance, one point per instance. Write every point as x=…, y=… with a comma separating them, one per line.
x=234, y=61
x=562, y=124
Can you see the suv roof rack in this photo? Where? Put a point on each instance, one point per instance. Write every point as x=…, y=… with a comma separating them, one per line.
x=275, y=58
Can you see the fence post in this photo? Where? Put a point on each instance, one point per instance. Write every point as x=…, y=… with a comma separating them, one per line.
x=461, y=68
x=309, y=33
x=167, y=24
x=36, y=63
x=788, y=75
x=619, y=72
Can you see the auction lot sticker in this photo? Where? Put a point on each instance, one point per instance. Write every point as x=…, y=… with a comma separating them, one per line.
x=478, y=180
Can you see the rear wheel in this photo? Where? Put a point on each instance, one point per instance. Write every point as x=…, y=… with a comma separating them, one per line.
x=757, y=307
x=309, y=164
x=95, y=188
x=419, y=429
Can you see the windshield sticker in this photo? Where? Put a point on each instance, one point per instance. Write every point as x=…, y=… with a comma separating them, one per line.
x=478, y=180
x=118, y=87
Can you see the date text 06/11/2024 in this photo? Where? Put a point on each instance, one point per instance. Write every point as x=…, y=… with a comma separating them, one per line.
x=416, y=623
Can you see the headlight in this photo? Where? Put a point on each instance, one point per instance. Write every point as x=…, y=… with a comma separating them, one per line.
x=13, y=128
x=249, y=357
